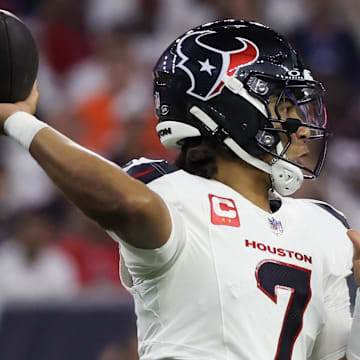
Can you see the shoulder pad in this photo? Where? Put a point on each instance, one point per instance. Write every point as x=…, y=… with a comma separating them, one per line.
x=330, y=209
x=147, y=170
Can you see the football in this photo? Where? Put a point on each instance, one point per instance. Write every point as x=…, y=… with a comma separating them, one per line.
x=19, y=59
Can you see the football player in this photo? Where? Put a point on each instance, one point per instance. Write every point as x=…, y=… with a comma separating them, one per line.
x=221, y=264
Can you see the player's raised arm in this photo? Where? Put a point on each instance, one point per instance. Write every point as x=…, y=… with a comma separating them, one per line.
x=101, y=189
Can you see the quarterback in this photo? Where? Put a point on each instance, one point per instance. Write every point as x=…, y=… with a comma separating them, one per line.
x=221, y=263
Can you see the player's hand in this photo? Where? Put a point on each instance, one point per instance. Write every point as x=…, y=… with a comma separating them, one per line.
x=355, y=239
x=28, y=105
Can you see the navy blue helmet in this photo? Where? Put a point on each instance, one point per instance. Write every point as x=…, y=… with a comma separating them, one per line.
x=229, y=80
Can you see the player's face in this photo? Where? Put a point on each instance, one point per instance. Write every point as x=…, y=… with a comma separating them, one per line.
x=298, y=149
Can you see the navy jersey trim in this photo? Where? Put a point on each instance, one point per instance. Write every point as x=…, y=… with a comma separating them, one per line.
x=351, y=283
x=148, y=172
x=335, y=213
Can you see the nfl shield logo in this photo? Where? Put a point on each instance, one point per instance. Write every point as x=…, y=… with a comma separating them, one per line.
x=276, y=226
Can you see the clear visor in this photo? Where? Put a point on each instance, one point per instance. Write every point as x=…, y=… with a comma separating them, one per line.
x=313, y=162
x=300, y=109
x=305, y=104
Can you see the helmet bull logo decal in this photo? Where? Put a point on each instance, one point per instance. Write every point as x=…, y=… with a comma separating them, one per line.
x=212, y=60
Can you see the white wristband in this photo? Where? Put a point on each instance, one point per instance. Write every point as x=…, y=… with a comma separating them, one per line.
x=23, y=127
x=353, y=347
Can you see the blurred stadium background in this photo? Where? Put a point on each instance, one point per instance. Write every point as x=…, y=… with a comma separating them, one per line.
x=60, y=297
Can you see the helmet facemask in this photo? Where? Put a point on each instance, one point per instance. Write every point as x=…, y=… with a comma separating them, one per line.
x=292, y=106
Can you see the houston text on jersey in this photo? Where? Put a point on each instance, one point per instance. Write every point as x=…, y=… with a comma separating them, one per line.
x=278, y=251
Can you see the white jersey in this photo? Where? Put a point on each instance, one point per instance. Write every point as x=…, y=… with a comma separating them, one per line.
x=235, y=282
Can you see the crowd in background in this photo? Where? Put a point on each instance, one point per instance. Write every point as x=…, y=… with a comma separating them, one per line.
x=96, y=58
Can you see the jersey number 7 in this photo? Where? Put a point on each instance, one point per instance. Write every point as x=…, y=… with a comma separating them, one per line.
x=271, y=275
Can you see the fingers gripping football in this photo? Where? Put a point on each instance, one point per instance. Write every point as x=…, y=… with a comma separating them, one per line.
x=29, y=105
x=355, y=239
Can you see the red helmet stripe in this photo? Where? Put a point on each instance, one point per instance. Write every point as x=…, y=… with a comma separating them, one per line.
x=242, y=58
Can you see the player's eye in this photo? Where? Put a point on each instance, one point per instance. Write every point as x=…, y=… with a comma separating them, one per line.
x=286, y=105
